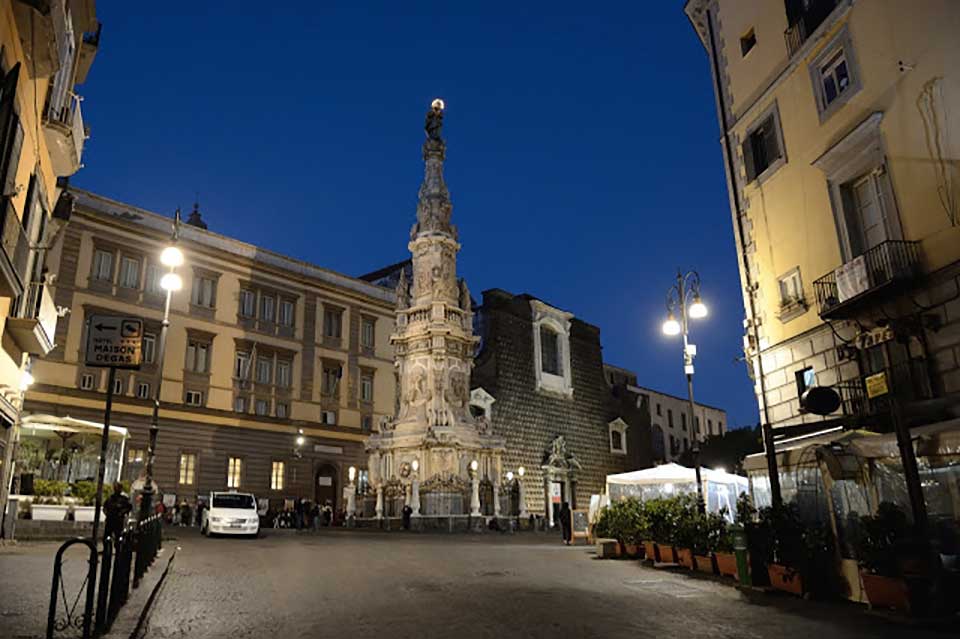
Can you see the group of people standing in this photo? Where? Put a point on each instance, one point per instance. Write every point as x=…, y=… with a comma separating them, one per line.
x=304, y=514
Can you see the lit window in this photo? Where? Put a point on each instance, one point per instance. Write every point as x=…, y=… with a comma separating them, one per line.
x=86, y=381
x=204, y=291
x=129, y=272
x=234, y=472
x=143, y=390
x=193, y=398
x=103, y=266
x=286, y=313
x=276, y=476
x=188, y=462
x=247, y=303
x=136, y=455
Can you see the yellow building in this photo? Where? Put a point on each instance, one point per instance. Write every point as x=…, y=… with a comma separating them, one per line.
x=274, y=370
x=46, y=49
x=841, y=141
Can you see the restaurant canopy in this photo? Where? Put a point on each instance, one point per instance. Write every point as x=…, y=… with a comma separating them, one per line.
x=720, y=488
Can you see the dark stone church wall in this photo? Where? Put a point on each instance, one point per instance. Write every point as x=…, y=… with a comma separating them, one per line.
x=530, y=419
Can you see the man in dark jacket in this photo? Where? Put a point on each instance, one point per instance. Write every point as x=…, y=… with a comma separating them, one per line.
x=116, y=509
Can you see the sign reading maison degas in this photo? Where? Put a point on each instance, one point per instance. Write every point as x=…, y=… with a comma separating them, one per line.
x=114, y=341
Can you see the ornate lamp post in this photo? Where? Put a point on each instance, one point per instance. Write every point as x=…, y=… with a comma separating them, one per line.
x=415, y=488
x=683, y=300
x=474, y=489
x=171, y=257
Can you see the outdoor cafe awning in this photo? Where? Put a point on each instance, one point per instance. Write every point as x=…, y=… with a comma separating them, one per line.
x=53, y=425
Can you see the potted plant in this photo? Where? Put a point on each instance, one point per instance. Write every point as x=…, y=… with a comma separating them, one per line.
x=686, y=528
x=658, y=513
x=49, y=502
x=783, y=531
x=878, y=542
x=723, y=554
x=713, y=530
x=86, y=493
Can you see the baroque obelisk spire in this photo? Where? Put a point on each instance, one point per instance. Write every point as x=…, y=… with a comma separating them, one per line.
x=433, y=435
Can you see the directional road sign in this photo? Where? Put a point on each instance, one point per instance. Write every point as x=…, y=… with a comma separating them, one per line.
x=114, y=341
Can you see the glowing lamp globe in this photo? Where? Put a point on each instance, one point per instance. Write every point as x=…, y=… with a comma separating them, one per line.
x=172, y=256
x=171, y=282
x=698, y=310
x=352, y=473
x=509, y=475
x=671, y=327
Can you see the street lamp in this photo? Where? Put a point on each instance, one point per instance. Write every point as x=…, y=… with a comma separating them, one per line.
x=415, y=488
x=475, y=489
x=171, y=257
x=521, y=471
x=683, y=302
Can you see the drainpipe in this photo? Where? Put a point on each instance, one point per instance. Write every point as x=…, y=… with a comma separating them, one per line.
x=768, y=444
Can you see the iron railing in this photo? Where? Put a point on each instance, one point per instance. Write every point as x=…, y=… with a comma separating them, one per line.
x=123, y=562
x=888, y=262
x=907, y=381
x=807, y=16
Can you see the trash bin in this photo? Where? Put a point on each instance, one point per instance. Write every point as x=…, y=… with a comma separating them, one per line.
x=742, y=554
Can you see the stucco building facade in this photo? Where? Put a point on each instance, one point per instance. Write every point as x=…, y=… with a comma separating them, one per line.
x=841, y=152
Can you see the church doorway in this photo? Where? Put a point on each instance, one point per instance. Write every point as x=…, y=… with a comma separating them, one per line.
x=325, y=486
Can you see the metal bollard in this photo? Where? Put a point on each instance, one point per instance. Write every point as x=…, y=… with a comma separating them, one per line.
x=742, y=553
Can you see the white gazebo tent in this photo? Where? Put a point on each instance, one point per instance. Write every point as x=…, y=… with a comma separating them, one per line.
x=57, y=432
x=720, y=488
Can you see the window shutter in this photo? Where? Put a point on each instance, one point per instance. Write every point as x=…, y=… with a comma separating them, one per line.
x=771, y=143
x=747, y=149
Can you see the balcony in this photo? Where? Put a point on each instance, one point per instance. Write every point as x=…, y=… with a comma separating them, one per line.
x=65, y=134
x=15, y=253
x=804, y=17
x=34, y=326
x=908, y=381
x=884, y=268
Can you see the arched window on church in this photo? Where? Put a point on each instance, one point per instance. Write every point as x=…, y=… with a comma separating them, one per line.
x=550, y=351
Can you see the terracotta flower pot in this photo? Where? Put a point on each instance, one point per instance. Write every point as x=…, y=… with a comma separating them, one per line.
x=704, y=564
x=650, y=550
x=631, y=550
x=785, y=579
x=886, y=592
x=726, y=564
x=685, y=557
x=666, y=554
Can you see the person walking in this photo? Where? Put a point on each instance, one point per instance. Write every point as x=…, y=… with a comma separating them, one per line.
x=566, y=523
x=116, y=509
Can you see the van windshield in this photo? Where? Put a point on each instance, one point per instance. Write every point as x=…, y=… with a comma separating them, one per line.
x=233, y=501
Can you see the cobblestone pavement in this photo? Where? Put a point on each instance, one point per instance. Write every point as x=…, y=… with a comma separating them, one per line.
x=364, y=584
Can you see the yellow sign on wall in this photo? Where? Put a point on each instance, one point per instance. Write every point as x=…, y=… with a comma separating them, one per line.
x=877, y=385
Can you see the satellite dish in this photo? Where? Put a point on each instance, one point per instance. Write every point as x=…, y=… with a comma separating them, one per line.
x=820, y=400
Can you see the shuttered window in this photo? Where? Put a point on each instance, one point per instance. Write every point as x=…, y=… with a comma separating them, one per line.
x=762, y=147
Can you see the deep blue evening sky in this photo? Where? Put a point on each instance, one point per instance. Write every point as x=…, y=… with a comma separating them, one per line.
x=583, y=156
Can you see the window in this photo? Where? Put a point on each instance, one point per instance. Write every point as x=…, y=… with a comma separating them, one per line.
x=328, y=417
x=747, y=42
x=86, y=381
x=683, y=421
x=366, y=388
x=616, y=440
x=276, y=476
x=234, y=472
x=286, y=313
x=806, y=378
x=659, y=414
x=240, y=404
x=129, y=272
x=262, y=407
x=103, y=266
x=198, y=354
x=283, y=373
x=710, y=427
x=762, y=148
x=136, y=455
x=332, y=322
x=282, y=410
x=118, y=386
x=670, y=417
x=719, y=428
x=367, y=333
x=188, y=464
x=149, y=348
x=193, y=398
x=696, y=421
x=331, y=378
x=204, y=291
x=241, y=365
x=686, y=444
x=154, y=273
x=834, y=75
x=618, y=436
x=143, y=390
x=247, y=303
x=834, y=78
x=267, y=308
x=264, y=370
x=549, y=351
x=366, y=423
x=791, y=288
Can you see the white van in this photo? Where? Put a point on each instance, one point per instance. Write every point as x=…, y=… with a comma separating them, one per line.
x=231, y=514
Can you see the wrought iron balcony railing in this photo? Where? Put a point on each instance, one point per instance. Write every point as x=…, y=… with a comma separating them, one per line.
x=806, y=17
x=840, y=292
